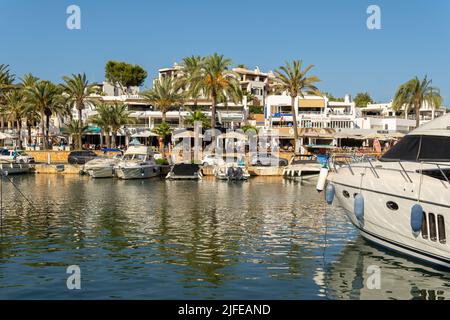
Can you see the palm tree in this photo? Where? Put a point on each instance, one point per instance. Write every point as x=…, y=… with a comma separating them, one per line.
x=293, y=80
x=414, y=93
x=44, y=96
x=79, y=91
x=103, y=119
x=14, y=110
x=163, y=130
x=197, y=116
x=219, y=83
x=191, y=68
x=164, y=95
x=73, y=129
x=119, y=117
x=6, y=84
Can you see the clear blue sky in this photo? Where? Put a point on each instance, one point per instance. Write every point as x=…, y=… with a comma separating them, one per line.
x=331, y=34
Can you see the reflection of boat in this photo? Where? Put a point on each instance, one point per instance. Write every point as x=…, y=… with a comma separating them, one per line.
x=9, y=168
x=353, y=274
x=137, y=163
x=101, y=167
x=232, y=172
x=302, y=168
x=185, y=171
x=403, y=201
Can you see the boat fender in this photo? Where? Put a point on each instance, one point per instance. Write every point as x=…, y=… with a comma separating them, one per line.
x=416, y=218
x=329, y=193
x=359, y=207
x=322, y=179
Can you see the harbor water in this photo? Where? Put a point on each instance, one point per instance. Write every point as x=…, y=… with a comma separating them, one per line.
x=154, y=239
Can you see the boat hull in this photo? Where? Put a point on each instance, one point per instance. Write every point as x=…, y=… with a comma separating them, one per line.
x=388, y=201
x=140, y=172
x=101, y=172
x=15, y=168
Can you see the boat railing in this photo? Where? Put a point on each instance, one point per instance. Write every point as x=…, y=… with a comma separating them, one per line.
x=351, y=160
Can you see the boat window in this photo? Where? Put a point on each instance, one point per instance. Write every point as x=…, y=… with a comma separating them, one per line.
x=392, y=205
x=441, y=229
x=128, y=157
x=140, y=157
x=346, y=194
x=434, y=148
x=424, y=226
x=432, y=222
x=406, y=149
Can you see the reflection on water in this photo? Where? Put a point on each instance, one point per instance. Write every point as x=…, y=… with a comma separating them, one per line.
x=152, y=239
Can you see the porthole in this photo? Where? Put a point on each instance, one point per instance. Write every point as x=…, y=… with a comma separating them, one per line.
x=392, y=205
x=346, y=194
x=355, y=194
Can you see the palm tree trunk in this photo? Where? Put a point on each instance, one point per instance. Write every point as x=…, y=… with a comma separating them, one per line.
x=19, y=129
x=213, y=111
x=161, y=146
x=114, y=139
x=108, y=138
x=29, y=132
x=44, y=140
x=164, y=116
x=417, y=115
x=80, y=126
x=295, y=126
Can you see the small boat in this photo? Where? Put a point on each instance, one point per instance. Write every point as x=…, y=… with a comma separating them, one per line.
x=12, y=168
x=101, y=167
x=303, y=168
x=137, y=163
x=185, y=171
x=231, y=172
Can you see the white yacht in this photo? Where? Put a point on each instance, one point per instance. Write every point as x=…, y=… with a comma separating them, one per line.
x=137, y=163
x=402, y=201
x=302, y=168
x=101, y=167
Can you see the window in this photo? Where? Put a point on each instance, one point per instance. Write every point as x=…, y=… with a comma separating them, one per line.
x=392, y=206
x=432, y=222
x=346, y=194
x=441, y=229
x=424, y=226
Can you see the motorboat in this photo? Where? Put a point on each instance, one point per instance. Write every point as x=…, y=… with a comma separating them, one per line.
x=137, y=163
x=402, y=200
x=232, y=172
x=303, y=167
x=13, y=167
x=185, y=171
x=101, y=167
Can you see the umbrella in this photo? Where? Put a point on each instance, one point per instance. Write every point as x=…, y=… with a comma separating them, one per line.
x=144, y=134
x=186, y=134
x=233, y=135
x=135, y=142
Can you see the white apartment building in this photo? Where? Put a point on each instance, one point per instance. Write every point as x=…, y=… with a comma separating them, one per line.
x=311, y=112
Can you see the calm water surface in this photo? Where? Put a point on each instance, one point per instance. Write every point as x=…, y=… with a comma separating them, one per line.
x=152, y=239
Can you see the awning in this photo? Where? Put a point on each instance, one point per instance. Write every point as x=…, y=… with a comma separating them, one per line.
x=144, y=134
